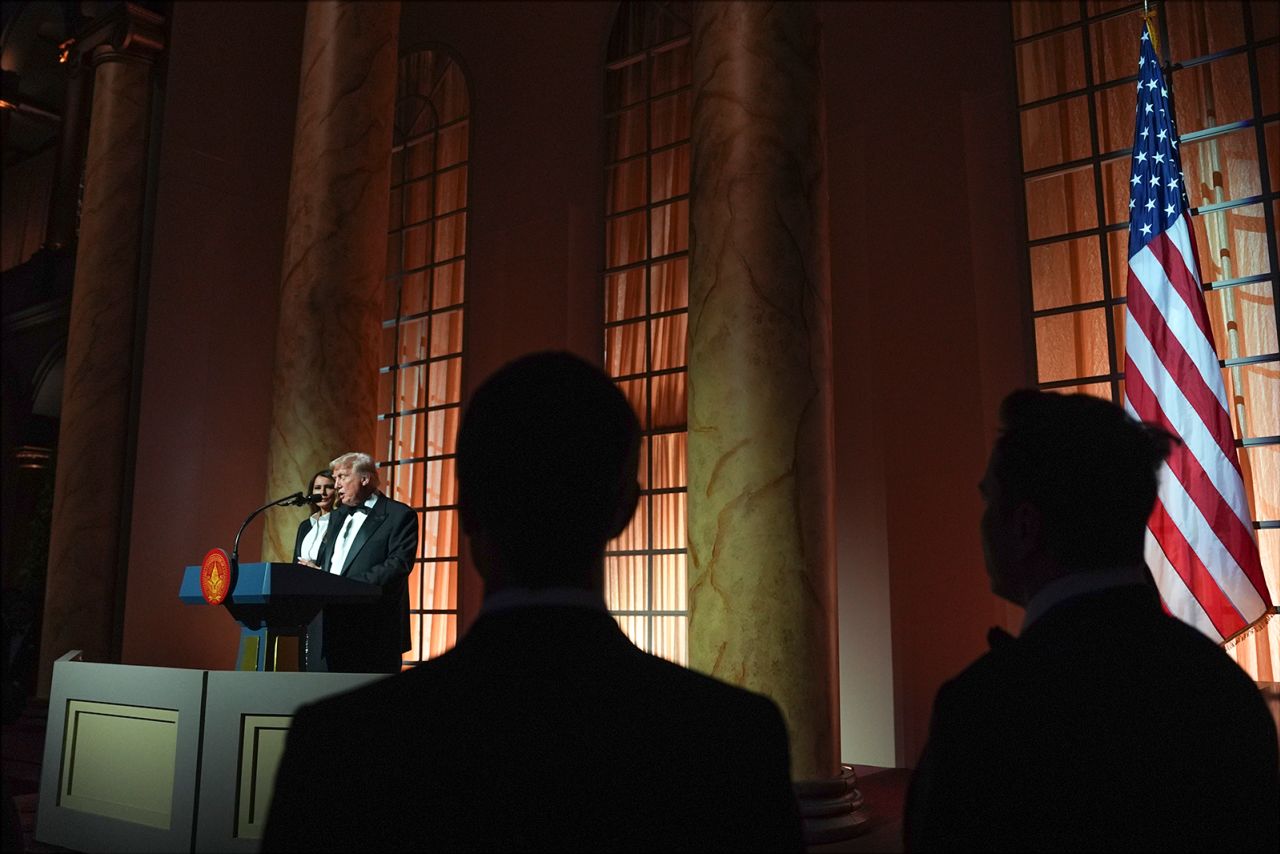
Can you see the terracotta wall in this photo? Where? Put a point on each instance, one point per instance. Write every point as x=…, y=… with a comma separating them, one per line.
x=210, y=326
x=926, y=266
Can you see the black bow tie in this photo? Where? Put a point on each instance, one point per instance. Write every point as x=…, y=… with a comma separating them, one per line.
x=359, y=508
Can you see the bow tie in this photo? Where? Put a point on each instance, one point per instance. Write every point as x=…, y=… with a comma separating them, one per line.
x=359, y=508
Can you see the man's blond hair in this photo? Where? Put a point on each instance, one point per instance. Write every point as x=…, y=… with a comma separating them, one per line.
x=358, y=462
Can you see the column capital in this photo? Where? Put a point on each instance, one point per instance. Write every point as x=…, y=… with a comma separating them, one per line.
x=127, y=31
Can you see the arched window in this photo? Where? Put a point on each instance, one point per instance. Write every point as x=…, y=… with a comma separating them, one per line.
x=646, y=282
x=420, y=378
x=1076, y=70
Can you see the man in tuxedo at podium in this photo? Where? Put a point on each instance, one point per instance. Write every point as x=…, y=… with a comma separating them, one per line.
x=371, y=538
x=1107, y=724
x=544, y=728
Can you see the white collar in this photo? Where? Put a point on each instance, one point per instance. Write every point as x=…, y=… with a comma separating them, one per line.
x=1078, y=584
x=511, y=598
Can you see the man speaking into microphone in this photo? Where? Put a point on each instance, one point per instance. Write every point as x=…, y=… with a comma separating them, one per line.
x=371, y=538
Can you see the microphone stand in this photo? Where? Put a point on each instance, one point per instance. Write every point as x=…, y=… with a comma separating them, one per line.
x=296, y=500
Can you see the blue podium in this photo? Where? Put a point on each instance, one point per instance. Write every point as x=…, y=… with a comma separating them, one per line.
x=270, y=600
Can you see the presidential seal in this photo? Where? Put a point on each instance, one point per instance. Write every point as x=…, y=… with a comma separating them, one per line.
x=215, y=576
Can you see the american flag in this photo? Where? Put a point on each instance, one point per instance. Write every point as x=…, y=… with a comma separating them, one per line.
x=1199, y=544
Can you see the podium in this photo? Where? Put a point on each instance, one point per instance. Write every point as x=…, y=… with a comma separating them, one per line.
x=270, y=600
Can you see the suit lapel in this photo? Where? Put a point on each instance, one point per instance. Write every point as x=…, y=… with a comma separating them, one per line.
x=377, y=514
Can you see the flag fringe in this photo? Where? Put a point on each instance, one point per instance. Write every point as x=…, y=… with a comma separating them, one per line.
x=1251, y=629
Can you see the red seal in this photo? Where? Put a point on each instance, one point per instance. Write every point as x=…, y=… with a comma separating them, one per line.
x=215, y=576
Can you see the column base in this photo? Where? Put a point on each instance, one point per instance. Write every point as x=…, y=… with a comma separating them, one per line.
x=832, y=810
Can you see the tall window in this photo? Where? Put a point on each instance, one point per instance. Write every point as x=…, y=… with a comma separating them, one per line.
x=1077, y=67
x=647, y=104
x=420, y=379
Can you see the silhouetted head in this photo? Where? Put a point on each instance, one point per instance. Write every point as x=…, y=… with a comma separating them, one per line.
x=547, y=456
x=1069, y=486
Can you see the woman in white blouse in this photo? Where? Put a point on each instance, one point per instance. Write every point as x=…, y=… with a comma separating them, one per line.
x=306, y=547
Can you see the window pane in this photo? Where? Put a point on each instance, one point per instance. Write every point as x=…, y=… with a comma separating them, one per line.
x=1260, y=465
x=410, y=389
x=440, y=533
x=447, y=282
x=446, y=333
x=667, y=349
x=442, y=431
x=624, y=349
x=451, y=237
x=624, y=295
x=1055, y=133
x=1115, y=119
x=1244, y=320
x=1213, y=94
x=670, y=582
x=626, y=133
x=669, y=520
x=671, y=69
x=1071, y=345
x=413, y=341
x=445, y=382
x=670, y=228
x=439, y=585
x=442, y=485
x=417, y=247
x=1221, y=168
x=1118, y=258
x=625, y=240
x=625, y=185
x=670, y=119
x=625, y=85
x=635, y=537
x=1197, y=27
x=1050, y=66
x=1036, y=16
x=1061, y=203
x=1066, y=273
x=1257, y=395
x=413, y=290
x=420, y=157
x=669, y=451
x=625, y=582
x=670, y=638
x=451, y=190
x=634, y=392
x=410, y=437
x=1114, y=43
x=1232, y=243
x=1116, y=183
x=669, y=405
x=417, y=200
x=1269, y=78
x=670, y=281
x=670, y=173
x=453, y=145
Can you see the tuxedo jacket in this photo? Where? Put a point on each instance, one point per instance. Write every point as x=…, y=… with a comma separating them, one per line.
x=368, y=638
x=1107, y=725
x=543, y=729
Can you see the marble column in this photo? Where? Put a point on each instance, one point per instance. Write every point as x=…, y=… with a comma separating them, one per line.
x=326, y=366
x=88, y=539
x=761, y=544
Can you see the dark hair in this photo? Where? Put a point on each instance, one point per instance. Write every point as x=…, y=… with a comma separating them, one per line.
x=311, y=485
x=546, y=453
x=1087, y=466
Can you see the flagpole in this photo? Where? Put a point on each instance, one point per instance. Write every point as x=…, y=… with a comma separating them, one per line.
x=1149, y=15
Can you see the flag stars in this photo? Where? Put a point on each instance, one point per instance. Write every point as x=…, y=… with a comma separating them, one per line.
x=1151, y=85
x=1159, y=158
x=1142, y=157
x=1151, y=204
x=1169, y=210
x=1146, y=230
x=1155, y=180
x=1173, y=183
x=1136, y=180
x=1162, y=134
x=1130, y=203
x=1150, y=109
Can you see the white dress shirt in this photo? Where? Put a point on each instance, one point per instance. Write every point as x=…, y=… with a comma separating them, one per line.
x=347, y=536
x=1078, y=584
x=310, y=549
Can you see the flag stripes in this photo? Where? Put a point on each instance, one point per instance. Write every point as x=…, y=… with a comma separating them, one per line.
x=1200, y=545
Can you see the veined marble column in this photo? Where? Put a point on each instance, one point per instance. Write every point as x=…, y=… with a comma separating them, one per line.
x=88, y=538
x=326, y=371
x=761, y=545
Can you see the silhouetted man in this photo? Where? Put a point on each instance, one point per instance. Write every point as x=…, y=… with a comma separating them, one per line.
x=1106, y=725
x=544, y=728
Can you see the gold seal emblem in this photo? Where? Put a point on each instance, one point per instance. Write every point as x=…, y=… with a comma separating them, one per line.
x=215, y=576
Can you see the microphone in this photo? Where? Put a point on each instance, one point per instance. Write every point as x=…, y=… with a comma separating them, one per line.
x=295, y=500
